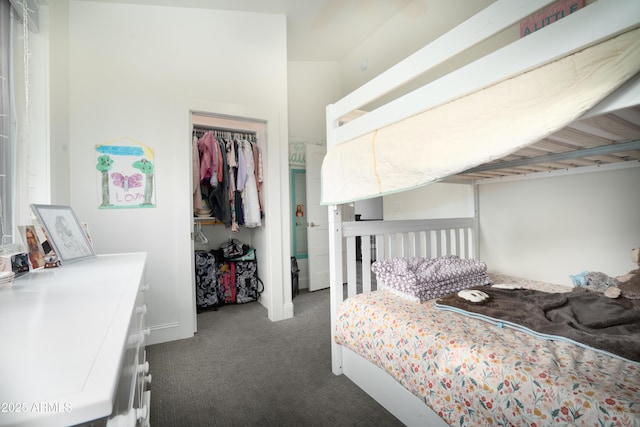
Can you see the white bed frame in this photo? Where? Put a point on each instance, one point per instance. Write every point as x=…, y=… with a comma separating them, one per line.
x=431, y=238
x=383, y=240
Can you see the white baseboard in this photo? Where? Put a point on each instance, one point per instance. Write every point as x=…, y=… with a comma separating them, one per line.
x=288, y=311
x=165, y=333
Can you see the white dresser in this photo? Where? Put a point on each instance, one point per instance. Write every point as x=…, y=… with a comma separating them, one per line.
x=72, y=345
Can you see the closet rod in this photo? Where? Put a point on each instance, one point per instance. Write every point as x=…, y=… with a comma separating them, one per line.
x=222, y=129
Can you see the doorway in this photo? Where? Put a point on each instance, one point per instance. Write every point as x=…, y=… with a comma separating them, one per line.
x=235, y=138
x=317, y=221
x=298, y=213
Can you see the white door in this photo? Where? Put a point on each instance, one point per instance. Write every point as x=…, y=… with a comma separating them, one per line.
x=317, y=222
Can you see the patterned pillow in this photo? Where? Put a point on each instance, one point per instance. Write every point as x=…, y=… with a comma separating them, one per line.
x=422, y=279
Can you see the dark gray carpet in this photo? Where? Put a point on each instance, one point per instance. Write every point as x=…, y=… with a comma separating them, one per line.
x=241, y=369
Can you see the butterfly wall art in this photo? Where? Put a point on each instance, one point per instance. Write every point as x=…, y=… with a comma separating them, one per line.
x=125, y=174
x=126, y=182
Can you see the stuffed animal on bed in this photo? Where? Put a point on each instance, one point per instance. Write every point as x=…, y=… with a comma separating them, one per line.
x=627, y=285
x=597, y=282
x=630, y=282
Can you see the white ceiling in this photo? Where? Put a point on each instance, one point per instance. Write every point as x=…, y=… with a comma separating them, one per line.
x=317, y=30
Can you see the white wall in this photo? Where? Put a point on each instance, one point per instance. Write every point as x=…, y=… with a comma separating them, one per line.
x=59, y=101
x=370, y=208
x=312, y=86
x=419, y=23
x=548, y=228
x=544, y=228
x=136, y=71
x=440, y=200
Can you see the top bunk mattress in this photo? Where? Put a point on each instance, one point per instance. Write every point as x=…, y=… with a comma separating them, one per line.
x=480, y=127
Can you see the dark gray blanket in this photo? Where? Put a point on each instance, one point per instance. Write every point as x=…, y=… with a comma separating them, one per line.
x=586, y=318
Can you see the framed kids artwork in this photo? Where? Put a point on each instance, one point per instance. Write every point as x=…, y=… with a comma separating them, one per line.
x=66, y=236
x=125, y=174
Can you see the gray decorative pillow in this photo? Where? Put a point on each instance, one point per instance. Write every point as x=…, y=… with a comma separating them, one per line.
x=422, y=279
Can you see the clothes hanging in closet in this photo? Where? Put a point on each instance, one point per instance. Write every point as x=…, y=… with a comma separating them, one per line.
x=218, y=195
x=233, y=166
x=250, y=188
x=230, y=174
x=195, y=158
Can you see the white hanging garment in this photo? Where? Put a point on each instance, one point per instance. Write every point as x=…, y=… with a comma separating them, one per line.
x=250, y=201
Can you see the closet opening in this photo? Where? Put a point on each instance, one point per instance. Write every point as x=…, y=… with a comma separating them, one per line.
x=298, y=213
x=229, y=204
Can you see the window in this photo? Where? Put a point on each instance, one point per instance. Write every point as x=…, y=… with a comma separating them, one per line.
x=20, y=123
x=7, y=134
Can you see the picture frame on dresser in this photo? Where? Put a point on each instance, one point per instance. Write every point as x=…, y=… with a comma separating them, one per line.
x=64, y=232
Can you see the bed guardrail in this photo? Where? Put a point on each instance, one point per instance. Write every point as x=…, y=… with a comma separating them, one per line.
x=382, y=240
x=603, y=19
x=368, y=241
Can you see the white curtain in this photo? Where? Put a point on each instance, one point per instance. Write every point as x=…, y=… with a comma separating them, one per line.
x=16, y=151
x=7, y=128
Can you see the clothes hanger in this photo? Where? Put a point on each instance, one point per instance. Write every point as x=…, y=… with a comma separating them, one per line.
x=200, y=235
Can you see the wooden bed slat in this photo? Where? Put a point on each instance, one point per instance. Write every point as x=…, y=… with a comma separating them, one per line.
x=427, y=246
x=379, y=247
x=466, y=242
x=365, y=248
x=406, y=249
x=392, y=245
x=351, y=272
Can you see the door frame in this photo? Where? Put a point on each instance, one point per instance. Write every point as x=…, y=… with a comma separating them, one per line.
x=273, y=244
x=294, y=231
x=318, y=243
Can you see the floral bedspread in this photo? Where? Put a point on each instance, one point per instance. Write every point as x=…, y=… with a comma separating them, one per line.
x=473, y=373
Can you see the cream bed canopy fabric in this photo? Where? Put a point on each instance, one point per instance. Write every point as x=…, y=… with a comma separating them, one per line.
x=483, y=126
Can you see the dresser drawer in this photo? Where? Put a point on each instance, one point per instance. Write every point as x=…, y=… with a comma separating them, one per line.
x=129, y=407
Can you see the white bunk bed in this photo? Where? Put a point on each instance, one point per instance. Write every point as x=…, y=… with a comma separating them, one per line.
x=494, y=86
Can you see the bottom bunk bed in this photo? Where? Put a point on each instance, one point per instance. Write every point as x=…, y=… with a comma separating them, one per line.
x=487, y=115
x=430, y=366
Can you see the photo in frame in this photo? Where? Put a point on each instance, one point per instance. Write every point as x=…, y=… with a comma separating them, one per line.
x=32, y=244
x=65, y=234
